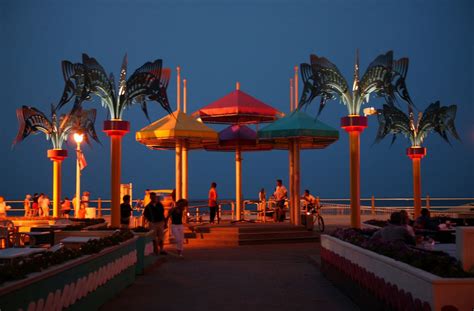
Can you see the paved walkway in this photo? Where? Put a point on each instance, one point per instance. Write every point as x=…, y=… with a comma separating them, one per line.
x=262, y=277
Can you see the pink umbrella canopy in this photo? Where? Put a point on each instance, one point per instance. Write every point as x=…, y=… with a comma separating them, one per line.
x=238, y=107
x=239, y=135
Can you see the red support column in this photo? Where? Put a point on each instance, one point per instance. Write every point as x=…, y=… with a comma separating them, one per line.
x=416, y=154
x=354, y=125
x=116, y=129
x=57, y=156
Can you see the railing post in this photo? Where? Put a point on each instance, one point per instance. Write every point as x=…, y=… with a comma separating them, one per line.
x=197, y=214
x=232, y=206
x=428, y=205
x=373, y=205
x=99, y=207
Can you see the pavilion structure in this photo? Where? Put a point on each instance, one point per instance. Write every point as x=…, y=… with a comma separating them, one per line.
x=300, y=129
x=180, y=132
x=238, y=109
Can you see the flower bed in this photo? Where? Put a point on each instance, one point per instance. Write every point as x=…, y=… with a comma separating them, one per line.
x=355, y=263
x=104, y=267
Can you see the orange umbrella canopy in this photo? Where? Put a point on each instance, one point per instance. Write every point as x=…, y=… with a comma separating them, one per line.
x=238, y=107
x=238, y=136
x=165, y=132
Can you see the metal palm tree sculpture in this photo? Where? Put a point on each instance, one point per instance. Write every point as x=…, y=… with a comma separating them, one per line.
x=435, y=118
x=385, y=77
x=33, y=121
x=147, y=83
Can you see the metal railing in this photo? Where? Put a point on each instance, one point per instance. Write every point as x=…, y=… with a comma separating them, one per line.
x=334, y=206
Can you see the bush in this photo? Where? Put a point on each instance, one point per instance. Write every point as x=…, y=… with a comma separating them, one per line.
x=21, y=267
x=435, y=262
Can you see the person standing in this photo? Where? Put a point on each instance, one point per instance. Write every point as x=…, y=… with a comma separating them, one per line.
x=66, y=207
x=280, y=195
x=125, y=212
x=146, y=199
x=177, y=227
x=154, y=214
x=213, y=202
x=3, y=207
x=35, y=206
x=45, y=206
x=40, y=204
x=27, y=205
x=262, y=202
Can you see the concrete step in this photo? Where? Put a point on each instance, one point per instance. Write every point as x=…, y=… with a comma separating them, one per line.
x=309, y=239
x=277, y=234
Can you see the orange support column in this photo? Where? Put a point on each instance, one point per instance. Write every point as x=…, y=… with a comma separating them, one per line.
x=416, y=154
x=57, y=156
x=116, y=129
x=354, y=125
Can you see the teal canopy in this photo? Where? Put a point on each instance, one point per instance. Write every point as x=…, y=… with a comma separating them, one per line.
x=311, y=133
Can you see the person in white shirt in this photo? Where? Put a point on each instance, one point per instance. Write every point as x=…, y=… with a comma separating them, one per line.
x=280, y=195
x=3, y=207
x=45, y=206
x=309, y=200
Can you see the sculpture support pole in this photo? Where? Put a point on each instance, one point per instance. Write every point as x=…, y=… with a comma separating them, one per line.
x=179, y=166
x=417, y=186
x=238, y=183
x=354, y=154
x=416, y=154
x=115, y=129
x=354, y=125
x=57, y=156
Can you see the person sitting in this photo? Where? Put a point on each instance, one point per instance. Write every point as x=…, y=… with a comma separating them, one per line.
x=406, y=222
x=395, y=231
x=309, y=200
x=425, y=222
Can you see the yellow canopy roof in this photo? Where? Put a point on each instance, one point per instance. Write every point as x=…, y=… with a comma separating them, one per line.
x=178, y=126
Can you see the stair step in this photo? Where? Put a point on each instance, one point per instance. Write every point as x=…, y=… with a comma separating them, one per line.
x=279, y=234
x=311, y=239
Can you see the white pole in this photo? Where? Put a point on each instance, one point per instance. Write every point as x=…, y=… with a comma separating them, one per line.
x=78, y=181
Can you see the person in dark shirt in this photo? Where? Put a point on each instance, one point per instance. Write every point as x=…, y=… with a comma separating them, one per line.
x=395, y=231
x=154, y=214
x=425, y=222
x=177, y=227
x=125, y=212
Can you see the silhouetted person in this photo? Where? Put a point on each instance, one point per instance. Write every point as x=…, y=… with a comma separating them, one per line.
x=395, y=231
x=154, y=214
x=213, y=202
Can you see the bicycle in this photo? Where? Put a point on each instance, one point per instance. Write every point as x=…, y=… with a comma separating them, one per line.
x=317, y=218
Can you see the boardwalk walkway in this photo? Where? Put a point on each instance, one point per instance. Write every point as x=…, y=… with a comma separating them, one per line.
x=261, y=277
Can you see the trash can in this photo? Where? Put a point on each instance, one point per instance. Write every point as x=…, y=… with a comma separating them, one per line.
x=307, y=222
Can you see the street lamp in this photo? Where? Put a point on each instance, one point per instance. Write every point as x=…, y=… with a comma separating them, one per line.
x=78, y=138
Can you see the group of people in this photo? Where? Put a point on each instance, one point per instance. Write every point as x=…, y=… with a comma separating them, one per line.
x=280, y=195
x=400, y=227
x=39, y=205
x=156, y=218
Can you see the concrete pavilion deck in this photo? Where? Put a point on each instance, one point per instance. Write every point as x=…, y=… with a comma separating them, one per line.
x=255, y=277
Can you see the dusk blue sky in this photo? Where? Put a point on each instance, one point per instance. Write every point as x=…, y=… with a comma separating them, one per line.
x=258, y=43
